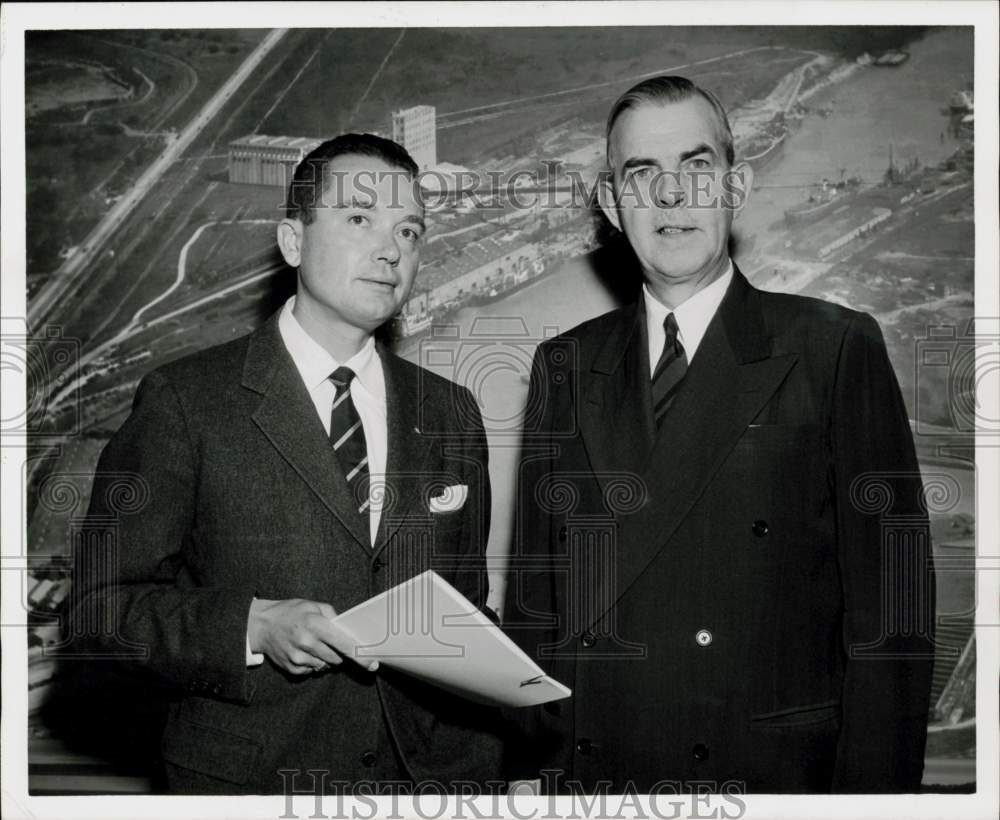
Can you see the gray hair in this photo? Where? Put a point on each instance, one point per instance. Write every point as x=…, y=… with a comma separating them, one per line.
x=672, y=89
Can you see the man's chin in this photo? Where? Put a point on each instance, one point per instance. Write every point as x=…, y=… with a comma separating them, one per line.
x=681, y=276
x=382, y=318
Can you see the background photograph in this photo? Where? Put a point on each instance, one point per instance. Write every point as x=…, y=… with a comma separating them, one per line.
x=156, y=167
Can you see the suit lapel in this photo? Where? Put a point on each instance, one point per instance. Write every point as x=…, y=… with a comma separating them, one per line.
x=731, y=378
x=616, y=411
x=287, y=417
x=407, y=446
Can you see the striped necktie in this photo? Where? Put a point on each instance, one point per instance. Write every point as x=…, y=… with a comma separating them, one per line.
x=347, y=436
x=670, y=370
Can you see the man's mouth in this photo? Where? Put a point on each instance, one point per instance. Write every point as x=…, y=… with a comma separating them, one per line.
x=670, y=230
x=386, y=283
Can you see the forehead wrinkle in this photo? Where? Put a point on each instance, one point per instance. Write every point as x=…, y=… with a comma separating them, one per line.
x=718, y=131
x=364, y=204
x=361, y=178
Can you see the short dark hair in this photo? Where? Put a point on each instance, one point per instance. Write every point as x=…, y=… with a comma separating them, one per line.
x=310, y=177
x=671, y=89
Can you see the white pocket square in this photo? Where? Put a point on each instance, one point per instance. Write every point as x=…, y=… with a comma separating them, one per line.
x=451, y=498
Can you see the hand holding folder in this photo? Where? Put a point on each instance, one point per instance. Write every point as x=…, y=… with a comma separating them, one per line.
x=428, y=629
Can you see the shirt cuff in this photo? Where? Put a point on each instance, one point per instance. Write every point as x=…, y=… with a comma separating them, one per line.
x=253, y=658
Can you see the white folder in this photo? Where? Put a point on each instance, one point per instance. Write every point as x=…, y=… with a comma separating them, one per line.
x=427, y=628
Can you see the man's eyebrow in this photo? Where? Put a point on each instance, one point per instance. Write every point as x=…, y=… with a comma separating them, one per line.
x=703, y=148
x=646, y=162
x=416, y=220
x=639, y=162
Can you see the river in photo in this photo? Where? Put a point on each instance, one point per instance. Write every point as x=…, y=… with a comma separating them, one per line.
x=872, y=109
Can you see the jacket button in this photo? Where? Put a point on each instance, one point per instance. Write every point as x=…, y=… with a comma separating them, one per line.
x=584, y=746
x=377, y=565
x=563, y=532
x=217, y=689
x=588, y=639
x=368, y=759
x=760, y=528
x=700, y=751
x=703, y=637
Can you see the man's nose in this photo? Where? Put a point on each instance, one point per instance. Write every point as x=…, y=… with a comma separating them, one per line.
x=387, y=250
x=669, y=191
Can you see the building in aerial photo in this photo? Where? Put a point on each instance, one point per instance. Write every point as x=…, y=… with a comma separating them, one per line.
x=262, y=160
x=416, y=130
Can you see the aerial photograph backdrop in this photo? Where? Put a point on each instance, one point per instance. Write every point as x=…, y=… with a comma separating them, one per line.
x=157, y=164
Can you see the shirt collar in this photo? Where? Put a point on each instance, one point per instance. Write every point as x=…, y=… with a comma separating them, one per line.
x=693, y=315
x=315, y=364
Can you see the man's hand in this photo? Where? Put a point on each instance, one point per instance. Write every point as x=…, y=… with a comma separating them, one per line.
x=299, y=636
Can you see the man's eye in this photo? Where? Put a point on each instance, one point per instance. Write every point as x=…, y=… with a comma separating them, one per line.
x=357, y=219
x=699, y=164
x=409, y=234
x=642, y=173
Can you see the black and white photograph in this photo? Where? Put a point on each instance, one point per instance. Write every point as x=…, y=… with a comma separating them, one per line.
x=500, y=410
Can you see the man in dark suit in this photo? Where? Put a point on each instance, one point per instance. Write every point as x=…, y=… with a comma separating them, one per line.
x=280, y=479
x=722, y=546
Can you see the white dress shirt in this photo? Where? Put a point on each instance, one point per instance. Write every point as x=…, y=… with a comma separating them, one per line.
x=315, y=366
x=693, y=316
x=367, y=392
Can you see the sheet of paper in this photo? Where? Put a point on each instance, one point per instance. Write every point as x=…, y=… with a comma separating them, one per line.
x=426, y=628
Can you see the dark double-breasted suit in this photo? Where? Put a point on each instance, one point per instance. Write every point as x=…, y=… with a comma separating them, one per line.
x=745, y=597
x=235, y=493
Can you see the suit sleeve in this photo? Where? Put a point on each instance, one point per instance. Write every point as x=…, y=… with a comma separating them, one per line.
x=531, y=521
x=529, y=576
x=136, y=601
x=471, y=577
x=454, y=740
x=885, y=561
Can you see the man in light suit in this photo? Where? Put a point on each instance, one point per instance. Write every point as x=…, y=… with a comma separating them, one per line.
x=722, y=546
x=280, y=479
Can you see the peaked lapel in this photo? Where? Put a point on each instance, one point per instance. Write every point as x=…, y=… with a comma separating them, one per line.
x=287, y=417
x=616, y=406
x=408, y=447
x=731, y=378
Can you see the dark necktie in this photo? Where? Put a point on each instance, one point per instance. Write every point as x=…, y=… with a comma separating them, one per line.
x=670, y=370
x=348, y=438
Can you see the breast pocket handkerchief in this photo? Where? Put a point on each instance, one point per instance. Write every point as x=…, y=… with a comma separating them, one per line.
x=450, y=498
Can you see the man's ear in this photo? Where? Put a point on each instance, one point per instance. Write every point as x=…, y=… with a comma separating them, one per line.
x=738, y=187
x=606, y=199
x=290, y=241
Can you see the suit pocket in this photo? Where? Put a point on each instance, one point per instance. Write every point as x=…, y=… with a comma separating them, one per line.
x=781, y=435
x=798, y=716
x=210, y=751
x=780, y=472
